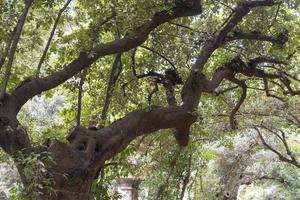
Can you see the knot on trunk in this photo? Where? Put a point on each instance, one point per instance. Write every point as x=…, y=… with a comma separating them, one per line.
x=87, y=140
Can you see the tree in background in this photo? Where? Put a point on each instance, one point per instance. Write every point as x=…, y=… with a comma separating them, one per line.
x=126, y=69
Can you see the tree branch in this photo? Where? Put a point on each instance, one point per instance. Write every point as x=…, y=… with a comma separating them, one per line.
x=80, y=92
x=186, y=178
x=85, y=59
x=268, y=94
x=159, y=54
x=256, y=35
x=7, y=48
x=193, y=86
x=113, y=139
x=281, y=157
x=114, y=75
x=51, y=36
x=242, y=84
x=14, y=45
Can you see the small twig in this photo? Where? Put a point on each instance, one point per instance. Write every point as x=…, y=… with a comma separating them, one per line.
x=182, y=26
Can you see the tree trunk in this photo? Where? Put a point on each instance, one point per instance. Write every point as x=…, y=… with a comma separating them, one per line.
x=73, y=172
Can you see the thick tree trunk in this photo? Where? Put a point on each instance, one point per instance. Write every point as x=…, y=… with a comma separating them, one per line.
x=73, y=172
x=76, y=164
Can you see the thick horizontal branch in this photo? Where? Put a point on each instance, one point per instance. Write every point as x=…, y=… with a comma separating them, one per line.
x=237, y=65
x=255, y=35
x=113, y=139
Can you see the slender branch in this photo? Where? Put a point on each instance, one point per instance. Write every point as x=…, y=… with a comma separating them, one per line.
x=286, y=74
x=287, y=148
x=80, y=92
x=242, y=84
x=282, y=138
x=157, y=78
x=277, y=84
x=186, y=178
x=114, y=75
x=226, y=90
x=163, y=186
x=162, y=56
x=224, y=23
x=279, y=179
x=138, y=76
x=7, y=48
x=51, y=36
x=281, y=157
x=287, y=83
x=11, y=55
x=275, y=17
x=182, y=26
x=268, y=94
x=224, y=4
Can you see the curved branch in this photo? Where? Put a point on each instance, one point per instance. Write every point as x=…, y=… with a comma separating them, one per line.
x=193, y=85
x=281, y=157
x=242, y=84
x=113, y=139
x=162, y=56
x=85, y=59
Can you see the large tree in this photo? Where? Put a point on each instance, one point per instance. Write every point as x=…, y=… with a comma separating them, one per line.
x=186, y=47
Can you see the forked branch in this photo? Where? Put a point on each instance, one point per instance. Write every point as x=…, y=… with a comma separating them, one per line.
x=281, y=157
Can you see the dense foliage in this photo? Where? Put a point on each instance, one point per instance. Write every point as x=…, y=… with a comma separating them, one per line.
x=248, y=122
